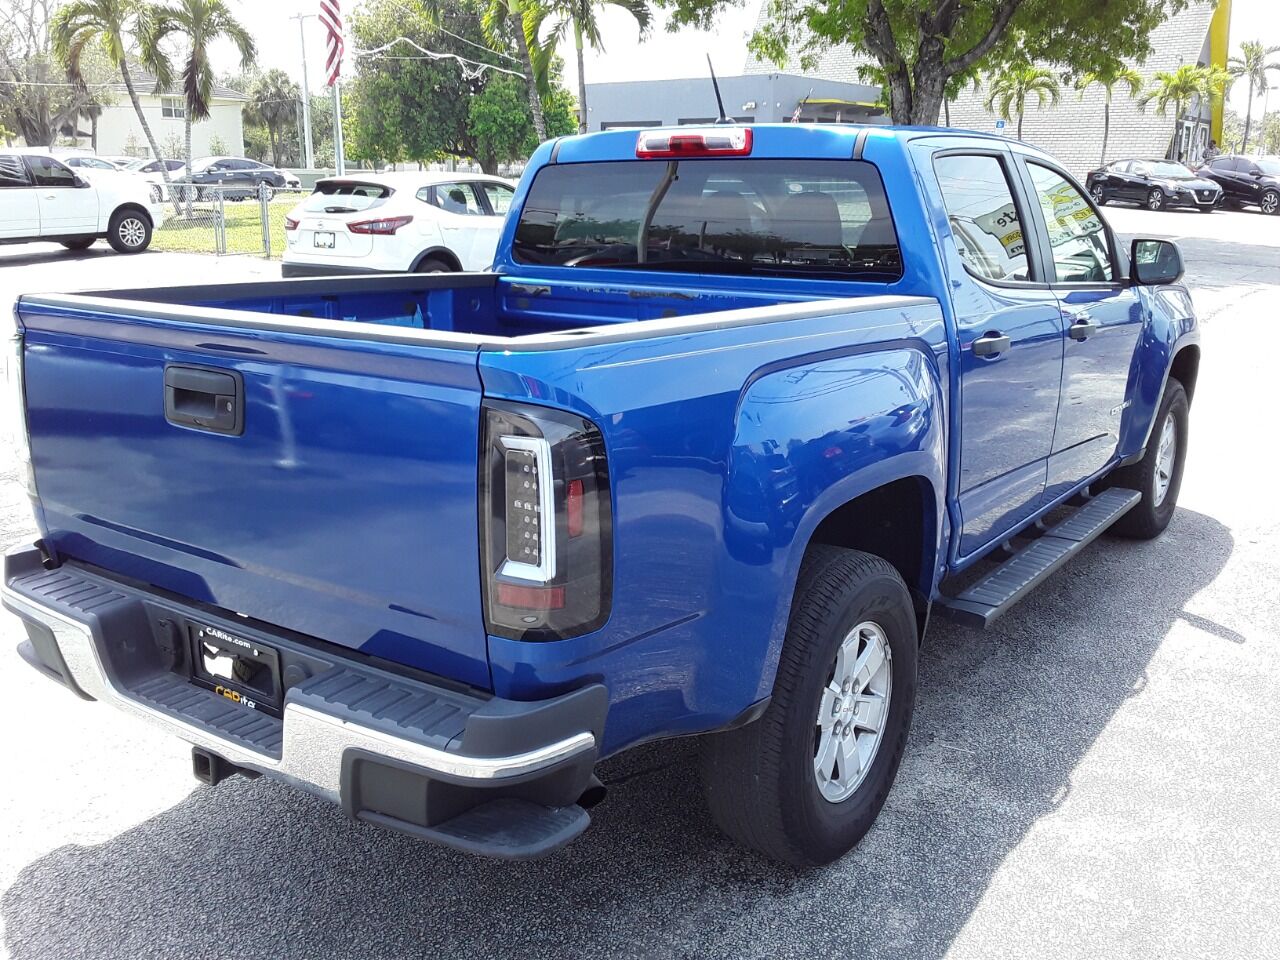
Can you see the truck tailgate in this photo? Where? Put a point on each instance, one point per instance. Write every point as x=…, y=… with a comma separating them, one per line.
x=345, y=509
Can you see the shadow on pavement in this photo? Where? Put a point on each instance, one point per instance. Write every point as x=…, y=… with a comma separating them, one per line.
x=1004, y=717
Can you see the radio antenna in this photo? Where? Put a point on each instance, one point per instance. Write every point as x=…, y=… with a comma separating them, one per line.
x=724, y=118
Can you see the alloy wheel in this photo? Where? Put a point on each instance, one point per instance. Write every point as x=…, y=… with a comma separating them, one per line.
x=1166, y=458
x=1155, y=199
x=1270, y=202
x=853, y=712
x=1099, y=195
x=132, y=232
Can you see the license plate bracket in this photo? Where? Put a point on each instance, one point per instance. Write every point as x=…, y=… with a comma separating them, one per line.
x=240, y=669
x=323, y=239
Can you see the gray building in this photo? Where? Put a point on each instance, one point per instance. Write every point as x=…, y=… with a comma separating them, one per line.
x=1072, y=130
x=759, y=98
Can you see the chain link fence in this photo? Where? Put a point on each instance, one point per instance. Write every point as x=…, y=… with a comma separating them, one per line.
x=224, y=219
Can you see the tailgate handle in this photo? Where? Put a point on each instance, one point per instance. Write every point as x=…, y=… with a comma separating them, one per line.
x=204, y=398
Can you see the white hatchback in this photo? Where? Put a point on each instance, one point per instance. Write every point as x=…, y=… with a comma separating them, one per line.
x=397, y=222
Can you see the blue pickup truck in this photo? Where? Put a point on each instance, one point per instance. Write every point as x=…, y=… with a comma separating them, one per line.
x=737, y=408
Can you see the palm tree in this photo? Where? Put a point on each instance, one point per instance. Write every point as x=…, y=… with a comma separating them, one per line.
x=108, y=24
x=1010, y=88
x=273, y=102
x=1108, y=80
x=1178, y=88
x=199, y=23
x=522, y=18
x=1252, y=62
x=582, y=17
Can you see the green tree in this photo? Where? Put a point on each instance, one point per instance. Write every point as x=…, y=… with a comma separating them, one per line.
x=198, y=24
x=519, y=19
x=108, y=25
x=582, y=19
x=1108, y=80
x=273, y=104
x=1178, y=89
x=36, y=104
x=1253, y=62
x=1008, y=89
x=922, y=44
x=429, y=108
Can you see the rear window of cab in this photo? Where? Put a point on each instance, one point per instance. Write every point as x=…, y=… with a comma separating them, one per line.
x=822, y=219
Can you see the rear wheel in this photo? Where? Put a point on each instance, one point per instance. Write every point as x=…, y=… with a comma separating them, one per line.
x=805, y=782
x=1270, y=202
x=432, y=265
x=129, y=231
x=80, y=243
x=1158, y=475
x=1155, y=199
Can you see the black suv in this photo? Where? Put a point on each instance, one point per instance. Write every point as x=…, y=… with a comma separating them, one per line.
x=1246, y=181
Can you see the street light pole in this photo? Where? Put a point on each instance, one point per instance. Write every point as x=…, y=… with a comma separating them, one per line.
x=308, y=152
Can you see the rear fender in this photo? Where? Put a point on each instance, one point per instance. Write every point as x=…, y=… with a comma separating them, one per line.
x=813, y=437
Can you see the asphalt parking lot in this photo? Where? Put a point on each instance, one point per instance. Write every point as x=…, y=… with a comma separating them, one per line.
x=1096, y=777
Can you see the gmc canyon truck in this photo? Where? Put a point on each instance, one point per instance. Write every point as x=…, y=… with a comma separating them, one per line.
x=735, y=410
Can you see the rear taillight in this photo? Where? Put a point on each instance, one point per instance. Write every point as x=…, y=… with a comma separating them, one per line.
x=545, y=507
x=710, y=142
x=290, y=223
x=385, y=226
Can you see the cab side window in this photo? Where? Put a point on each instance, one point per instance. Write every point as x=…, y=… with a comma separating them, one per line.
x=984, y=218
x=1081, y=249
x=13, y=173
x=50, y=173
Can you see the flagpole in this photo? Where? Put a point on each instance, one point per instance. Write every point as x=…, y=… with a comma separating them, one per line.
x=338, y=160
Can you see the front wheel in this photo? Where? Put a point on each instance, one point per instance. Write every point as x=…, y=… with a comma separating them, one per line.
x=129, y=231
x=804, y=783
x=1158, y=475
x=1270, y=202
x=1155, y=199
x=1099, y=194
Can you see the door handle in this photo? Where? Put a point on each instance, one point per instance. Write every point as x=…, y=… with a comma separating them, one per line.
x=1082, y=328
x=204, y=398
x=990, y=344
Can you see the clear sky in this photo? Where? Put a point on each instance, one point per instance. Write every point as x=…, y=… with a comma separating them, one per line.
x=662, y=56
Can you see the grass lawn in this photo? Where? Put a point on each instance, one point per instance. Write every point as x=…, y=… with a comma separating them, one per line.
x=244, y=228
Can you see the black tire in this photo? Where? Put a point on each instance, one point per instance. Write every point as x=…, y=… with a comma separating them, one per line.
x=1148, y=519
x=79, y=243
x=1269, y=202
x=1207, y=209
x=129, y=231
x=1155, y=199
x=1099, y=194
x=759, y=780
x=432, y=265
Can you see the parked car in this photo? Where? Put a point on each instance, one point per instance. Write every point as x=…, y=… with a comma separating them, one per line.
x=234, y=173
x=727, y=422
x=41, y=198
x=1247, y=181
x=90, y=163
x=145, y=165
x=1154, y=184
x=393, y=222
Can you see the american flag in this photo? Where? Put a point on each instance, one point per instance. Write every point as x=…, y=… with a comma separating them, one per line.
x=331, y=17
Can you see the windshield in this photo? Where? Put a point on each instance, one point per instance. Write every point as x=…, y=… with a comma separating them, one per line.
x=135, y=164
x=344, y=196
x=1165, y=168
x=813, y=218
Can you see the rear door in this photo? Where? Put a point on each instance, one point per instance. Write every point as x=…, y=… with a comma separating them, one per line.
x=466, y=224
x=65, y=208
x=343, y=508
x=1010, y=347
x=1101, y=317
x=19, y=210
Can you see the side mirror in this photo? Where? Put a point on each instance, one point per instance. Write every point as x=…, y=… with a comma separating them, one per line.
x=1154, y=262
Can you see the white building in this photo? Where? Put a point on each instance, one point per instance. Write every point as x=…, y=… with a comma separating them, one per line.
x=1072, y=130
x=120, y=133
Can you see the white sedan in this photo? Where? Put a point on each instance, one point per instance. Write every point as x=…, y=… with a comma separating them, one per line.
x=43, y=199
x=397, y=222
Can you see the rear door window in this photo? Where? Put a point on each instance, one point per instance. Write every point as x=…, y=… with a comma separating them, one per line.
x=807, y=218
x=984, y=218
x=12, y=172
x=459, y=198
